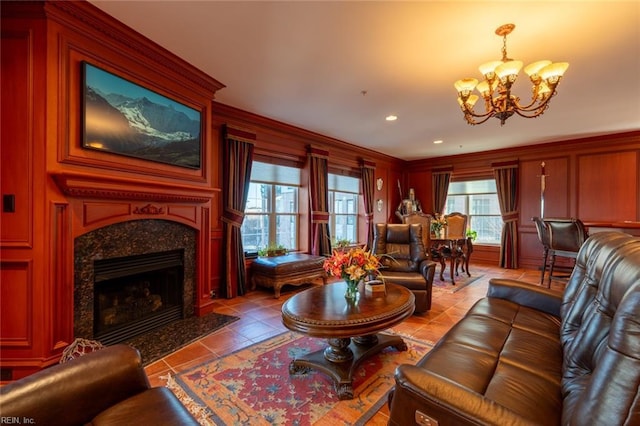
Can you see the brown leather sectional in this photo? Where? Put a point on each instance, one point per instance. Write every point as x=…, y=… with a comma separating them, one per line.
x=106, y=387
x=526, y=355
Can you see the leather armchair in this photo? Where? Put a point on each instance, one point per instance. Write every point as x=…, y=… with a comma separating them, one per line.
x=404, y=260
x=106, y=387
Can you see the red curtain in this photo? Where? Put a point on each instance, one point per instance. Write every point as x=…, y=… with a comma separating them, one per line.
x=238, y=158
x=368, y=193
x=506, y=175
x=319, y=199
x=440, y=183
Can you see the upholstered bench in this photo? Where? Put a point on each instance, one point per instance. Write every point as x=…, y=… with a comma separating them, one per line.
x=292, y=268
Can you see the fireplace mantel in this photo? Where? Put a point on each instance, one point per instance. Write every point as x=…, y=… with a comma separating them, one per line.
x=116, y=188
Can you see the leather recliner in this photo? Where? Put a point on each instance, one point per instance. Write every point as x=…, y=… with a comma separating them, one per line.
x=404, y=260
x=106, y=387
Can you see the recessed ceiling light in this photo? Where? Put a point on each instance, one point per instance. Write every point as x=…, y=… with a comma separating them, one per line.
x=438, y=141
x=391, y=118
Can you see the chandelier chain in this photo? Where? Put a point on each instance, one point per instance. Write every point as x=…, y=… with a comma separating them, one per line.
x=504, y=49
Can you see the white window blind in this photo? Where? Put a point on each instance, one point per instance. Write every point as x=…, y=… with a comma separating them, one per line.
x=344, y=183
x=272, y=173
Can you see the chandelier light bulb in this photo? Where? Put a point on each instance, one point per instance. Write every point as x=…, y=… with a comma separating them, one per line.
x=543, y=91
x=465, y=85
x=555, y=70
x=488, y=69
x=486, y=89
x=472, y=100
x=533, y=69
x=507, y=69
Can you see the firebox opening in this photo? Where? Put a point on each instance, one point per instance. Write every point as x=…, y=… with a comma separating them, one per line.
x=136, y=294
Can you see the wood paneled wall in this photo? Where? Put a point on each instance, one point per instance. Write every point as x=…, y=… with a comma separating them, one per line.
x=593, y=179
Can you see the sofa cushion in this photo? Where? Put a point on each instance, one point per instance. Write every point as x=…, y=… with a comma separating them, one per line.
x=506, y=352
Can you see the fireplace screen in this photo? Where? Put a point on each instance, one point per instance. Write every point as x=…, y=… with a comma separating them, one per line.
x=136, y=294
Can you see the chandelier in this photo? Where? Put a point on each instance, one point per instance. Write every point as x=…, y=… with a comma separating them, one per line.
x=499, y=76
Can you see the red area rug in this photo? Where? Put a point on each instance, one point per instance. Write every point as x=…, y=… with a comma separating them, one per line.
x=252, y=386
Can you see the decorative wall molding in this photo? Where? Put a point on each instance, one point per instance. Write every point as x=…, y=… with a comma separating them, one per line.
x=73, y=13
x=86, y=186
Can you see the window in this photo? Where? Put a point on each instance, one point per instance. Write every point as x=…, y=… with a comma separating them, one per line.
x=478, y=199
x=343, y=207
x=271, y=213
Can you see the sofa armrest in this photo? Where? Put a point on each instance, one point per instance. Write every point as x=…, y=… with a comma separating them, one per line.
x=76, y=391
x=526, y=294
x=428, y=270
x=448, y=403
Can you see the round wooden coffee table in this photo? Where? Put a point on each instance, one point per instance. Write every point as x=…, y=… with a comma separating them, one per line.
x=351, y=329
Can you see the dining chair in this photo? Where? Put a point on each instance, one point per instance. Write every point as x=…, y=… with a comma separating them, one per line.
x=543, y=237
x=457, y=234
x=566, y=236
x=455, y=247
x=424, y=220
x=456, y=225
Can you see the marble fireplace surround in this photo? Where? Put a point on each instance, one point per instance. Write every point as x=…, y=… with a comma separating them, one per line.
x=128, y=238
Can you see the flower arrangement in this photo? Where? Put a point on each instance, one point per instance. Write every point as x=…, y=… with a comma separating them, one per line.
x=437, y=223
x=352, y=265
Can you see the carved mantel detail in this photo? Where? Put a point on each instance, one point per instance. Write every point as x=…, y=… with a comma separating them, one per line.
x=148, y=209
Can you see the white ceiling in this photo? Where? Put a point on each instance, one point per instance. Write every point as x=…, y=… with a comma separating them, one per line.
x=307, y=64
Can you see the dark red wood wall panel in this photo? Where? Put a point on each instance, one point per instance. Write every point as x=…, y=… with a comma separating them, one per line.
x=607, y=187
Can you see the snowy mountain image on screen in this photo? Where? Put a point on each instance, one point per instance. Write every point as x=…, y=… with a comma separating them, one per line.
x=140, y=128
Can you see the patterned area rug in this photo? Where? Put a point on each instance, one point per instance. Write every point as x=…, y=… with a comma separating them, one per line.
x=252, y=386
x=461, y=282
x=171, y=337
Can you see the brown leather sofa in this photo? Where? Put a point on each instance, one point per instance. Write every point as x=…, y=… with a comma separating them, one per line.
x=404, y=260
x=106, y=387
x=527, y=355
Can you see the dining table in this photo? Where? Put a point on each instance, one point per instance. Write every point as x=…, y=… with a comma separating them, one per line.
x=456, y=250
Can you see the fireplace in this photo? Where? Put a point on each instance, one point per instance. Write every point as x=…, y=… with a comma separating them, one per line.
x=133, y=277
x=136, y=294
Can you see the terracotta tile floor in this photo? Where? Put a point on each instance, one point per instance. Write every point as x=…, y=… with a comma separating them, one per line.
x=260, y=318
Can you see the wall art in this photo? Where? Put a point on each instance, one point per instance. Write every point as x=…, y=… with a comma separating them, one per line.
x=125, y=118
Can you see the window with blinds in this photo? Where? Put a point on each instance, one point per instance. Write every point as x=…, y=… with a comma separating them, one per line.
x=478, y=199
x=271, y=212
x=343, y=207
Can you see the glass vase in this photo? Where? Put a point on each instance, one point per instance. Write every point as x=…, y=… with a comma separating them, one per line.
x=352, y=290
